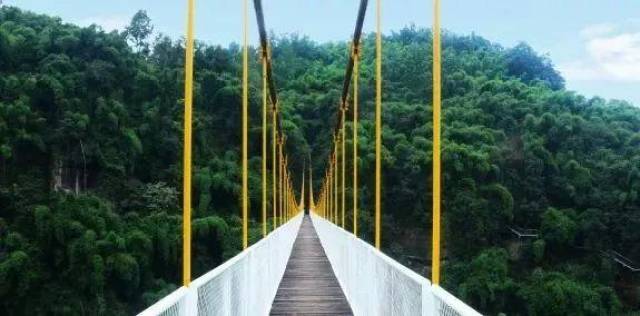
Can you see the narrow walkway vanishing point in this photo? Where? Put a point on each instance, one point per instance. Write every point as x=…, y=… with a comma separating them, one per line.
x=309, y=285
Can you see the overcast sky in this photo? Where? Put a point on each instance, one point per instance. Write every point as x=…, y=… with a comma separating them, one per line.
x=594, y=43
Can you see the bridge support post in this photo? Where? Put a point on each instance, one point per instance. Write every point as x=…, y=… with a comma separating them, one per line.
x=428, y=306
x=191, y=302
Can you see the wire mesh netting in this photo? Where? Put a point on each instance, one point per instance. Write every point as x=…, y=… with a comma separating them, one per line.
x=245, y=285
x=445, y=310
x=375, y=284
x=174, y=310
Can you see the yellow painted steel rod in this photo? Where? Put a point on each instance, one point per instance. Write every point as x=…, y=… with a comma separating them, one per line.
x=435, y=269
x=378, y=123
x=280, y=182
x=335, y=182
x=264, y=144
x=312, y=202
x=186, y=163
x=325, y=203
x=328, y=189
x=329, y=193
x=274, y=166
x=356, y=57
x=302, y=191
x=343, y=155
x=245, y=125
x=323, y=200
x=326, y=197
x=286, y=196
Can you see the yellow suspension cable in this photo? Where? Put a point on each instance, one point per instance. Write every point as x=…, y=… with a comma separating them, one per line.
x=279, y=184
x=435, y=259
x=264, y=144
x=356, y=58
x=282, y=184
x=285, y=203
x=329, y=194
x=335, y=181
x=284, y=192
x=302, y=191
x=186, y=163
x=288, y=213
x=290, y=196
x=323, y=209
x=323, y=202
x=324, y=199
x=312, y=203
x=344, y=153
x=378, y=122
x=286, y=196
x=280, y=194
x=330, y=189
x=328, y=197
x=274, y=167
x=245, y=125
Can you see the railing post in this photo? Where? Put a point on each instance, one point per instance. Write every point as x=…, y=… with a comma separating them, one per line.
x=191, y=301
x=428, y=307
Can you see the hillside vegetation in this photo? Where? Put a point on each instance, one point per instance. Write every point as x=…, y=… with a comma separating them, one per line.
x=90, y=166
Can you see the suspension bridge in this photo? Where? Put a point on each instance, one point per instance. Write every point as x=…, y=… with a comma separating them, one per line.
x=310, y=263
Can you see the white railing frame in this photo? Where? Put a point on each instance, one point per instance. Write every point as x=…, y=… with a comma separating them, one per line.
x=362, y=284
x=184, y=300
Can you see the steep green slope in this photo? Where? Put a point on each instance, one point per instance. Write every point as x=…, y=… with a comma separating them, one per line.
x=90, y=144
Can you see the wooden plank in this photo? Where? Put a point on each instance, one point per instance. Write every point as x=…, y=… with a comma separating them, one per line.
x=309, y=286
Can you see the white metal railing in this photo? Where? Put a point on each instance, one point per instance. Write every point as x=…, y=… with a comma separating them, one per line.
x=375, y=284
x=244, y=285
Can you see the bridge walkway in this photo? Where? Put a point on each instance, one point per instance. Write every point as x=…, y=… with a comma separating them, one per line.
x=309, y=285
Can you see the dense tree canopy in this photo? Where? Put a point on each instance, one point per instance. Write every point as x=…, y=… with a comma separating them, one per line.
x=90, y=169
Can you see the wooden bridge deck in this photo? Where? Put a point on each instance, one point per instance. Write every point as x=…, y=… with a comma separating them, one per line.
x=309, y=286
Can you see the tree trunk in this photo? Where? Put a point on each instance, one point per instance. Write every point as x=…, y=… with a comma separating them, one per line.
x=84, y=166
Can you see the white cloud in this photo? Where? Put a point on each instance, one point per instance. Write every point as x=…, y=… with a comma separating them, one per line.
x=597, y=30
x=107, y=22
x=613, y=53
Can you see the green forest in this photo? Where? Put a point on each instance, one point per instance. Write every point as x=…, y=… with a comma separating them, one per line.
x=91, y=169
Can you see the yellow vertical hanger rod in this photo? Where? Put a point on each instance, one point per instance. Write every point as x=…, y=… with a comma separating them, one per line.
x=329, y=185
x=245, y=124
x=302, y=191
x=356, y=57
x=264, y=143
x=284, y=195
x=279, y=186
x=274, y=167
x=343, y=154
x=186, y=163
x=435, y=270
x=378, y=123
x=335, y=180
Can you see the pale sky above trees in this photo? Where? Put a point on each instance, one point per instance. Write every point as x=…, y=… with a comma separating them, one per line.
x=594, y=43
